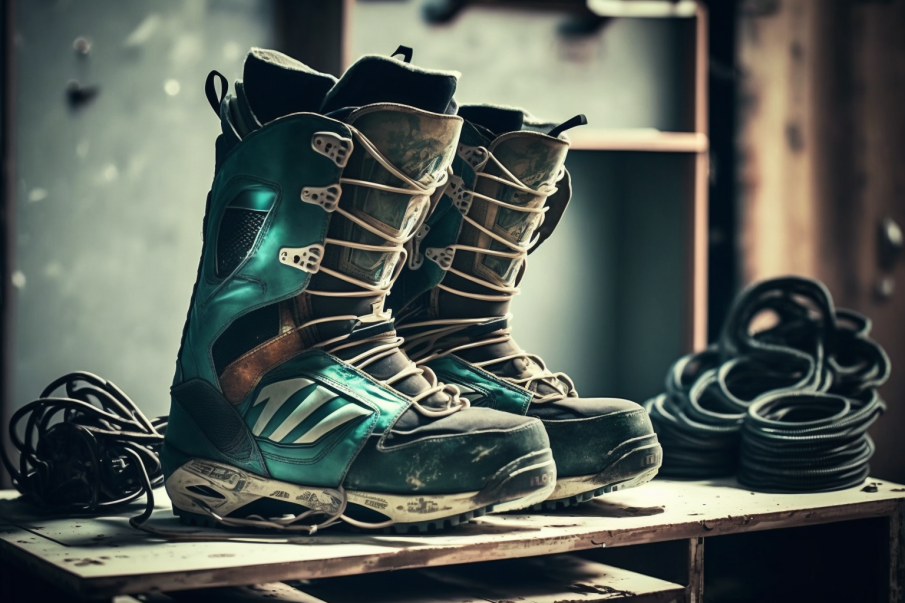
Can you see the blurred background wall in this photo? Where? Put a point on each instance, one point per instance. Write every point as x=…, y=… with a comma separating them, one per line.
x=821, y=172
x=114, y=152
x=113, y=145
x=111, y=141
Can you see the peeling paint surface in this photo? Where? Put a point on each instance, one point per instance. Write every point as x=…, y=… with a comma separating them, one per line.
x=104, y=556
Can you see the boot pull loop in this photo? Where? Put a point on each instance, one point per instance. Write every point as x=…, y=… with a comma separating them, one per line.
x=406, y=53
x=578, y=120
x=210, y=90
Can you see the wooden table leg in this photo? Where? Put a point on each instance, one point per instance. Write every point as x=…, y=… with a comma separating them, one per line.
x=896, y=556
x=694, y=591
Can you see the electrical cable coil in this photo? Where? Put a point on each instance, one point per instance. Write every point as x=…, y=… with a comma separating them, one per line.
x=788, y=406
x=86, y=451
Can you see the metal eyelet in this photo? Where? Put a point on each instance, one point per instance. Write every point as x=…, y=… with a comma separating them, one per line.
x=476, y=157
x=333, y=146
x=307, y=259
x=442, y=256
x=416, y=258
x=459, y=193
x=325, y=196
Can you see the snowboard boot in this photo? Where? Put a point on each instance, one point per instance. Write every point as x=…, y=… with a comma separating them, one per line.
x=293, y=406
x=508, y=191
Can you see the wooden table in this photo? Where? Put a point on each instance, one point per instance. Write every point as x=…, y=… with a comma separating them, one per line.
x=102, y=557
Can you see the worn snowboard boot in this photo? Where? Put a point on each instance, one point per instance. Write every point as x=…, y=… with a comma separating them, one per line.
x=293, y=406
x=508, y=191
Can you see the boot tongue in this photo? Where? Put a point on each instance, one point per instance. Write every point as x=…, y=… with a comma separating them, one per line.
x=377, y=79
x=275, y=85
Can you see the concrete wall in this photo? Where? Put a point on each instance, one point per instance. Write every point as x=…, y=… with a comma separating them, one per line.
x=110, y=195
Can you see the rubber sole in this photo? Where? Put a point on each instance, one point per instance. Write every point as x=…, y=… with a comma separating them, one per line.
x=636, y=463
x=201, y=490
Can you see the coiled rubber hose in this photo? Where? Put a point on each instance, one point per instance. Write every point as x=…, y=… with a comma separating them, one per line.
x=788, y=407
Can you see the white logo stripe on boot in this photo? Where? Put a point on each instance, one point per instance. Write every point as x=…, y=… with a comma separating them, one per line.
x=276, y=395
x=332, y=421
x=314, y=401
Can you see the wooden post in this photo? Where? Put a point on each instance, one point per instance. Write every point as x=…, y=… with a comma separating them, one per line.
x=315, y=32
x=700, y=228
x=777, y=139
x=896, y=556
x=694, y=590
x=821, y=141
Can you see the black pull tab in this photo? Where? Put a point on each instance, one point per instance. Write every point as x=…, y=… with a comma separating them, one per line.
x=210, y=89
x=578, y=120
x=406, y=53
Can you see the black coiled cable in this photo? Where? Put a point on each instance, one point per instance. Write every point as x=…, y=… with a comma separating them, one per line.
x=90, y=450
x=787, y=407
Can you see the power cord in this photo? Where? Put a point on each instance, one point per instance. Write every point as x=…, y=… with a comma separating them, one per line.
x=86, y=451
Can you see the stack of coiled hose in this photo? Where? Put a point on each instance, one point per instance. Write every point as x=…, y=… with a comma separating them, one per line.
x=787, y=407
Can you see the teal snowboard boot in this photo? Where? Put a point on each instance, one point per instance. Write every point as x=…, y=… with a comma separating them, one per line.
x=293, y=406
x=508, y=191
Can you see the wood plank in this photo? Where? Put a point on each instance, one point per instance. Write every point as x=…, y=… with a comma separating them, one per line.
x=325, y=44
x=643, y=9
x=778, y=139
x=640, y=139
x=895, y=556
x=553, y=579
x=822, y=134
x=278, y=592
x=699, y=208
x=876, y=150
x=104, y=556
x=695, y=589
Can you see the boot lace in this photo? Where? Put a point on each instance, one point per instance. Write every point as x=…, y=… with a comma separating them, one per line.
x=445, y=328
x=387, y=346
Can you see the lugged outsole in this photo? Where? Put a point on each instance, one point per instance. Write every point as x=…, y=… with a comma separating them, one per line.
x=199, y=485
x=574, y=501
x=429, y=527
x=638, y=463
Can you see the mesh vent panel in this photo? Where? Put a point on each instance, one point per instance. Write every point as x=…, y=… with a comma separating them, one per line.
x=238, y=230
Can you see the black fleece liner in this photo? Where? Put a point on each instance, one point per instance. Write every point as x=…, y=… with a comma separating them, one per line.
x=277, y=85
x=500, y=120
x=375, y=79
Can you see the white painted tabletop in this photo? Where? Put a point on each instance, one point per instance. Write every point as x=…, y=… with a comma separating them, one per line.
x=103, y=556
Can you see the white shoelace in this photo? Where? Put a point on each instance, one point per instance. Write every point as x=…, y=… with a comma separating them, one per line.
x=395, y=245
x=518, y=253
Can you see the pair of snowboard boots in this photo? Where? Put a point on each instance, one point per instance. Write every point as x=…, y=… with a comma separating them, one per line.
x=295, y=404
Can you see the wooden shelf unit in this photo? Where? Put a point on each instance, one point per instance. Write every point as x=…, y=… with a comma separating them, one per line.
x=104, y=557
x=655, y=141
